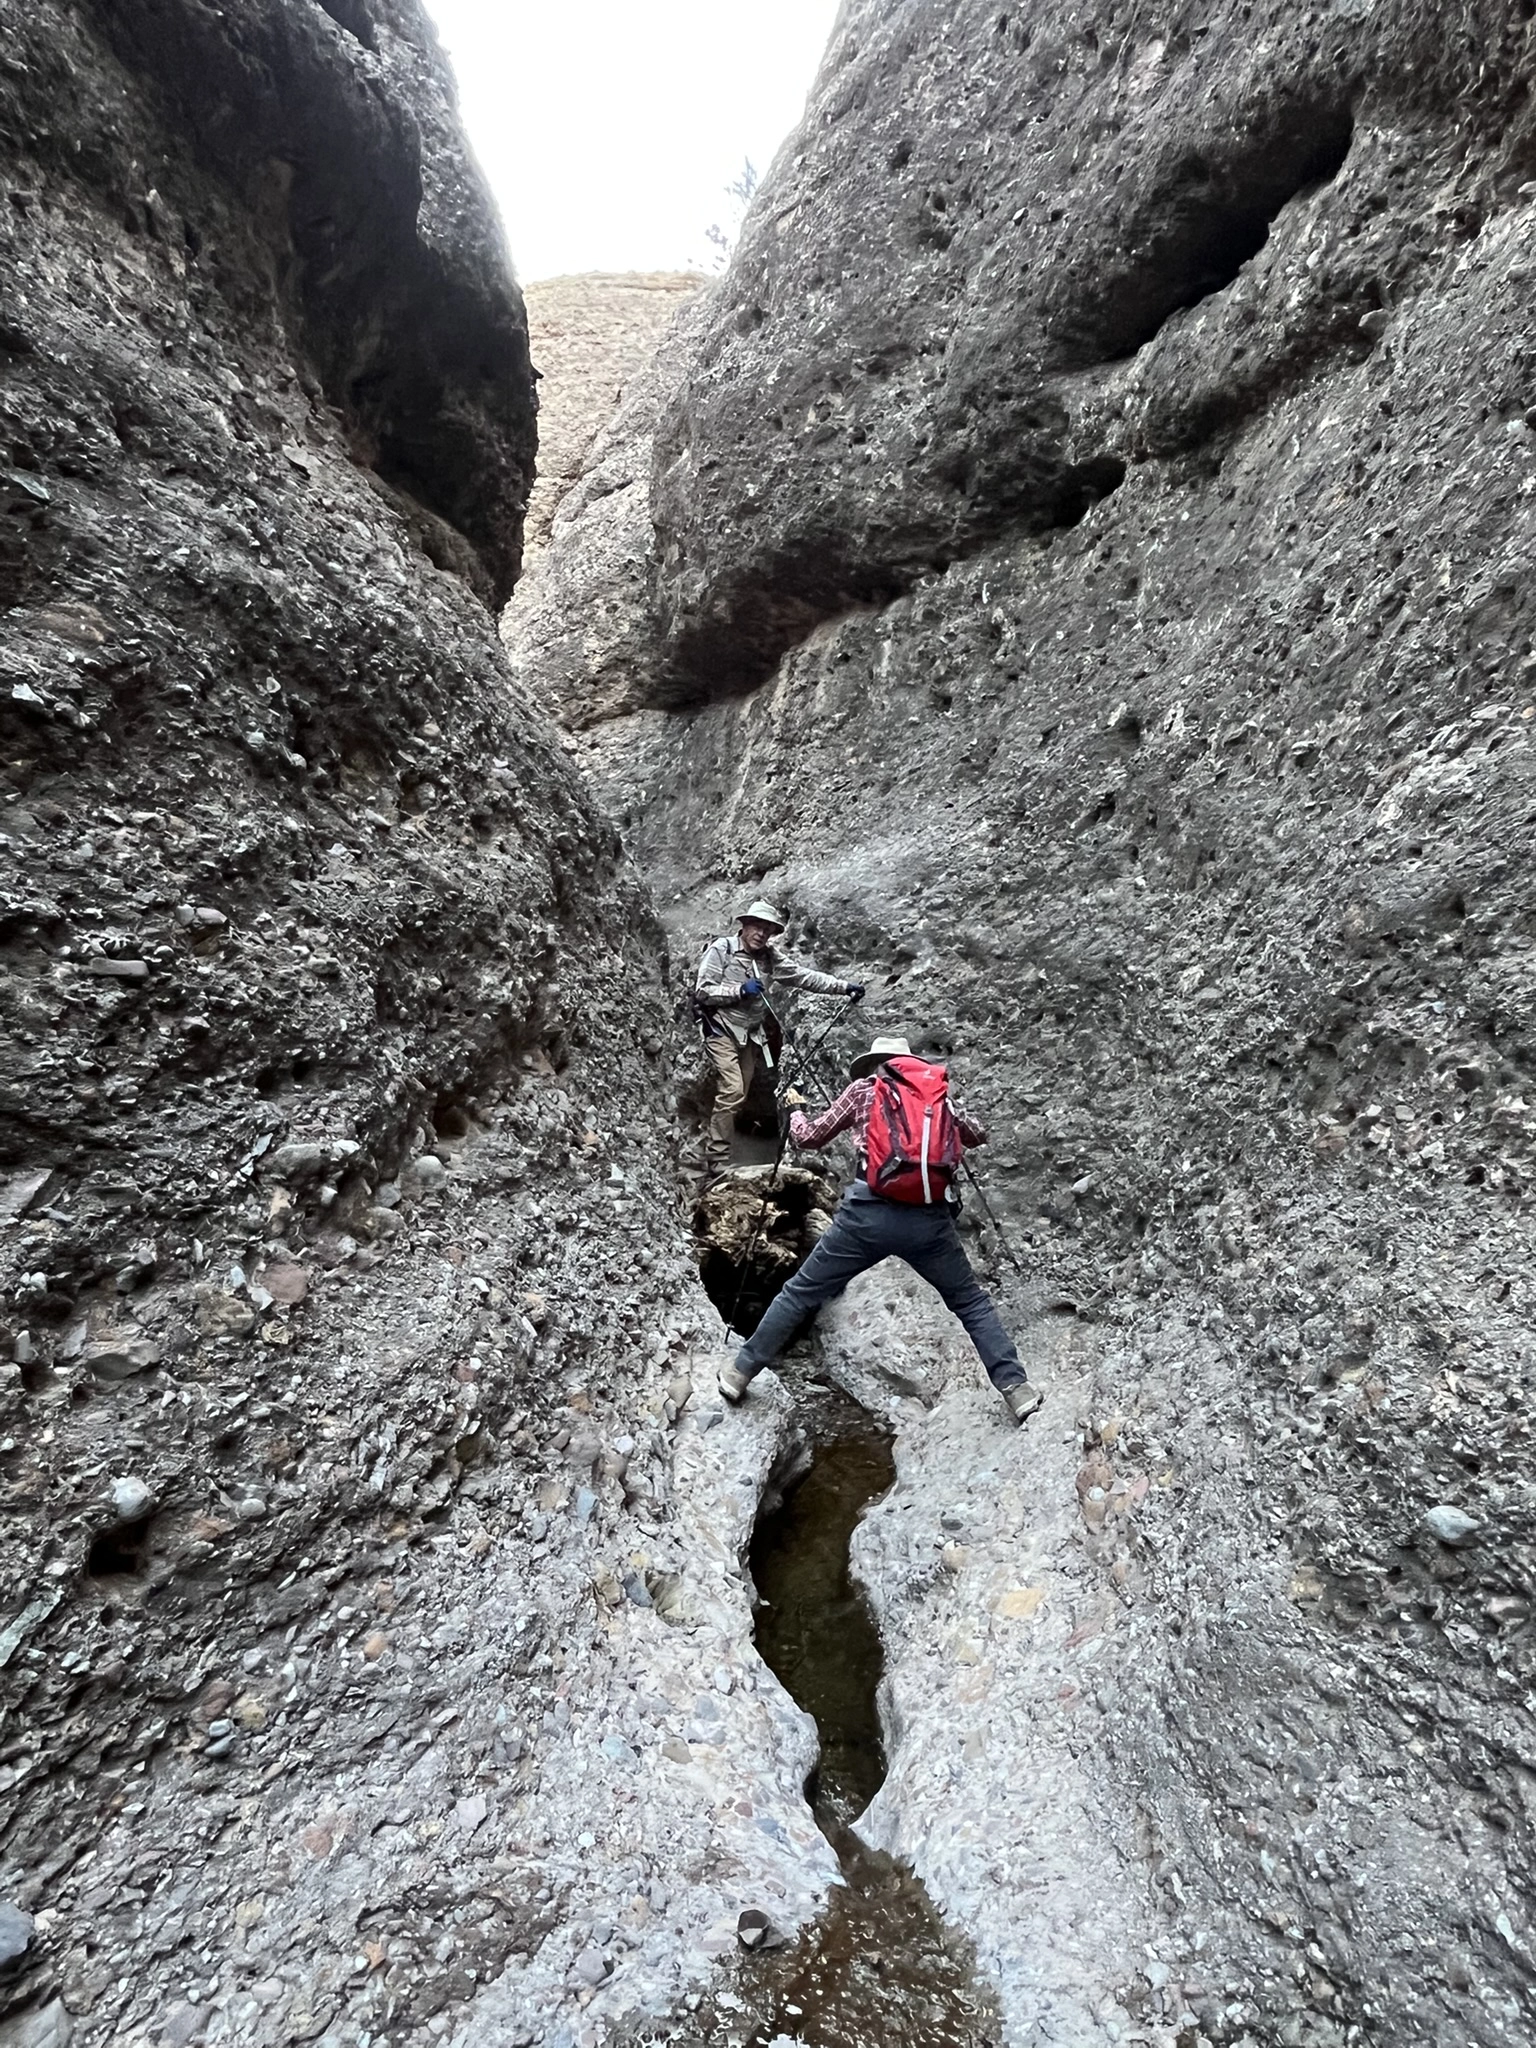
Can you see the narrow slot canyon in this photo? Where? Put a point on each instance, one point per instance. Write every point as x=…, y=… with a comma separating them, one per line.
x=1071, y=563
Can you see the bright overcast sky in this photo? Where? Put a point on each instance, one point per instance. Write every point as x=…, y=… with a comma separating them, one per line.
x=609, y=129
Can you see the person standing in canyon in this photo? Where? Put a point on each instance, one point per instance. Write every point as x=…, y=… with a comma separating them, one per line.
x=911, y=1138
x=731, y=993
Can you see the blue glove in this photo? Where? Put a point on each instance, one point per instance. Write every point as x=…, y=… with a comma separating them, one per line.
x=855, y=991
x=752, y=988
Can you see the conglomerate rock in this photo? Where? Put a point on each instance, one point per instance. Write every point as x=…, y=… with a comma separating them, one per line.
x=365, y=1557
x=589, y=335
x=1077, y=561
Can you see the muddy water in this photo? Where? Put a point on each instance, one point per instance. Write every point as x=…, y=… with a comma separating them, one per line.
x=880, y=1969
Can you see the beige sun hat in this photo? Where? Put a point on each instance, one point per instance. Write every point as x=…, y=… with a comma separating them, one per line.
x=881, y=1050
x=761, y=913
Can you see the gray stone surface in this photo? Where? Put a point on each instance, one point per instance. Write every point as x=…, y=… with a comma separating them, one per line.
x=590, y=335
x=340, y=1220
x=16, y=1931
x=1074, y=560
x=46, y=2026
x=1104, y=624
x=999, y=1648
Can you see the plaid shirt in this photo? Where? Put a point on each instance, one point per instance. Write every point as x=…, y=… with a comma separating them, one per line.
x=853, y=1107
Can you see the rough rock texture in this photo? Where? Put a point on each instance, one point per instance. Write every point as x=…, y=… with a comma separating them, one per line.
x=1077, y=560
x=589, y=336
x=997, y=1616
x=357, y=1574
x=752, y=1229
x=585, y=627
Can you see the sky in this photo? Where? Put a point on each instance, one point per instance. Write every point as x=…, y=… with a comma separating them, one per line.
x=610, y=130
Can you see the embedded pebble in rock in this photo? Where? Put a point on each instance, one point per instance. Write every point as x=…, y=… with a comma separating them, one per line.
x=285, y=1282
x=119, y=1359
x=130, y=1498
x=753, y=1927
x=1451, y=1526
x=16, y=1934
x=118, y=970
x=299, y=1162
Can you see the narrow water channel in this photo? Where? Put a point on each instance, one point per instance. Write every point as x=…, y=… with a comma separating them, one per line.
x=880, y=1969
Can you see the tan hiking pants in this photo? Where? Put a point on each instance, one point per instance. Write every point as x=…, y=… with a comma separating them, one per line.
x=735, y=1070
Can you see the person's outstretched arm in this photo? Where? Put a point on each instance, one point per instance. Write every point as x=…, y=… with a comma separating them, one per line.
x=971, y=1132
x=850, y=1108
x=795, y=974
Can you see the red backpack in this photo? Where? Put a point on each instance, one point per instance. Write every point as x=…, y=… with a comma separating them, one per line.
x=912, y=1144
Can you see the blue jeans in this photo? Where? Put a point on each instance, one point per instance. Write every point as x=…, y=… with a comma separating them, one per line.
x=863, y=1232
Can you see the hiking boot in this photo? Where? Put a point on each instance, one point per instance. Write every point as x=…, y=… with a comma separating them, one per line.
x=1023, y=1400
x=732, y=1384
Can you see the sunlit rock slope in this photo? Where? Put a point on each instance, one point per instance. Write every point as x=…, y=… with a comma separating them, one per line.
x=589, y=335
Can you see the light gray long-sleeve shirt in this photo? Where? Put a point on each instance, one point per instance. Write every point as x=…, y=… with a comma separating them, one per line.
x=727, y=964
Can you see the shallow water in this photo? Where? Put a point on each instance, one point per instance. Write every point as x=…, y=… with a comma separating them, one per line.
x=812, y=1624
x=879, y=1969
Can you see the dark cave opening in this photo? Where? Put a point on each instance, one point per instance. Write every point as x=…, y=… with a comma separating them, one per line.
x=119, y=1552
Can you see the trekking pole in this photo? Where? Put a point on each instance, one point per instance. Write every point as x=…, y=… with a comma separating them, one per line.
x=801, y=1054
x=986, y=1209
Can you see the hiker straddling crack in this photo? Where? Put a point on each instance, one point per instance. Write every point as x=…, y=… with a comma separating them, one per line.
x=731, y=992
x=911, y=1138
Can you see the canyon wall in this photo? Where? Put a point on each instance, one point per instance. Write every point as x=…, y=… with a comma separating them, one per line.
x=1077, y=559
x=346, y=1325
x=589, y=335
